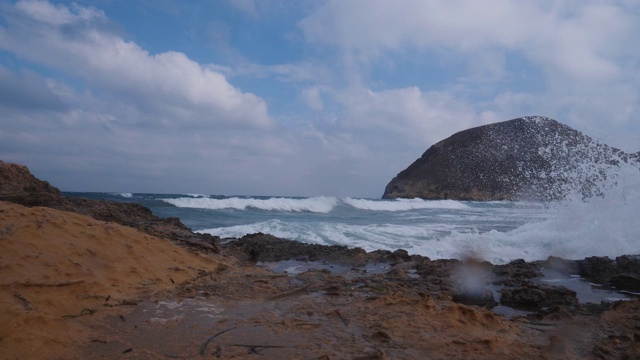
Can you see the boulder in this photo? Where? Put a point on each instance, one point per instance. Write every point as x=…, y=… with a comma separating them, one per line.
x=529, y=158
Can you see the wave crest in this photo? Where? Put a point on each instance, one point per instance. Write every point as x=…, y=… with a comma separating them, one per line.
x=403, y=204
x=320, y=204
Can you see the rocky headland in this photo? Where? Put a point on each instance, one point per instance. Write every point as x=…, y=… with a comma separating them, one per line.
x=528, y=158
x=95, y=279
x=19, y=186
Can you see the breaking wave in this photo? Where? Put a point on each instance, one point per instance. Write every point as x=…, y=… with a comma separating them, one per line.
x=319, y=204
x=403, y=204
x=602, y=225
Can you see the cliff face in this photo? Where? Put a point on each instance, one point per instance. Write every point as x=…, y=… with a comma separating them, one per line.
x=531, y=158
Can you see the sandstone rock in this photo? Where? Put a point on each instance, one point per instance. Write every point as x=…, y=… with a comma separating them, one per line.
x=532, y=158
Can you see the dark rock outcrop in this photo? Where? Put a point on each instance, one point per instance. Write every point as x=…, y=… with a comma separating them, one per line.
x=19, y=186
x=533, y=158
x=535, y=296
x=623, y=273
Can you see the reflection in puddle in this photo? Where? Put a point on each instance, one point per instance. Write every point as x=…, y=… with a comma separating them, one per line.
x=586, y=292
x=170, y=311
x=295, y=267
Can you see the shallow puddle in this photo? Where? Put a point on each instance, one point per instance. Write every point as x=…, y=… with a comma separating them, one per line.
x=295, y=267
x=586, y=292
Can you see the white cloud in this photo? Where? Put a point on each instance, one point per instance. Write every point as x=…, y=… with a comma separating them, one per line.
x=27, y=91
x=168, y=83
x=421, y=118
x=56, y=15
x=572, y=60
x=582, y=38
x=313, y=99
x=246, y=6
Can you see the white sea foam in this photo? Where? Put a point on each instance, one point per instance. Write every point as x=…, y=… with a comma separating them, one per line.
x=320, y=204
x=403, y=204
x=370, y=237
x=126, y=195
x=606, y=224
x=573, y=229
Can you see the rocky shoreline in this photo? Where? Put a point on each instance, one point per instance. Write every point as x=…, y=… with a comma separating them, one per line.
x=83, y=278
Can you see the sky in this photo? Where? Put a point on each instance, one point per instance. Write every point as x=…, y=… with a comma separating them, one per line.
x=296, y=98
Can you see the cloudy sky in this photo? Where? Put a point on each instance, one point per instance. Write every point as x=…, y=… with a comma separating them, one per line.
x=303, y=97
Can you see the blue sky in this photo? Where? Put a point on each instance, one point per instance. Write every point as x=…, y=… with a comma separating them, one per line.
x=296, y=97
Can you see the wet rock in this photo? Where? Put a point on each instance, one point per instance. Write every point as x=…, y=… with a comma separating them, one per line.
x=482, y=298
x=537, y=296
x=516, y=272
x=265, y=247
x=597, y=269
x=564, y=266
x=628, y=264
x=628, y=282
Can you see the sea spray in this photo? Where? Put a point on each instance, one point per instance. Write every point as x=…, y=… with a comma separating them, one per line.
x=606, y=224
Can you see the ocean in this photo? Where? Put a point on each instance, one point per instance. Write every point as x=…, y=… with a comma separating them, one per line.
x=496, y=231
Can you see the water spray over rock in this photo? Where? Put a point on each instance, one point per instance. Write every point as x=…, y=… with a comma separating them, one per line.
x=528, y=158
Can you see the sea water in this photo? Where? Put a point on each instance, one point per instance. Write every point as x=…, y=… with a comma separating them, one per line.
x=496, y=231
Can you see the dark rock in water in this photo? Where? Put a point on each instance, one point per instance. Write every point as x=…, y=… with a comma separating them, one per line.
x=536, y=296
x=534, y=158
x=598, y=269
x=563, y=266
x=628, y=264
x=626, y=282
x=18, y=185
x=483, y=298
x=265, y=247
x=623, y=273
x=516, y=272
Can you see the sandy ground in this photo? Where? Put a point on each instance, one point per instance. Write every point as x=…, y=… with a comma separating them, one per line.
x=56, y=267
x=74, y=287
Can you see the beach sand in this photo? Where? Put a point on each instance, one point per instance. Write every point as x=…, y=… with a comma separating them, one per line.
x=75, y=287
